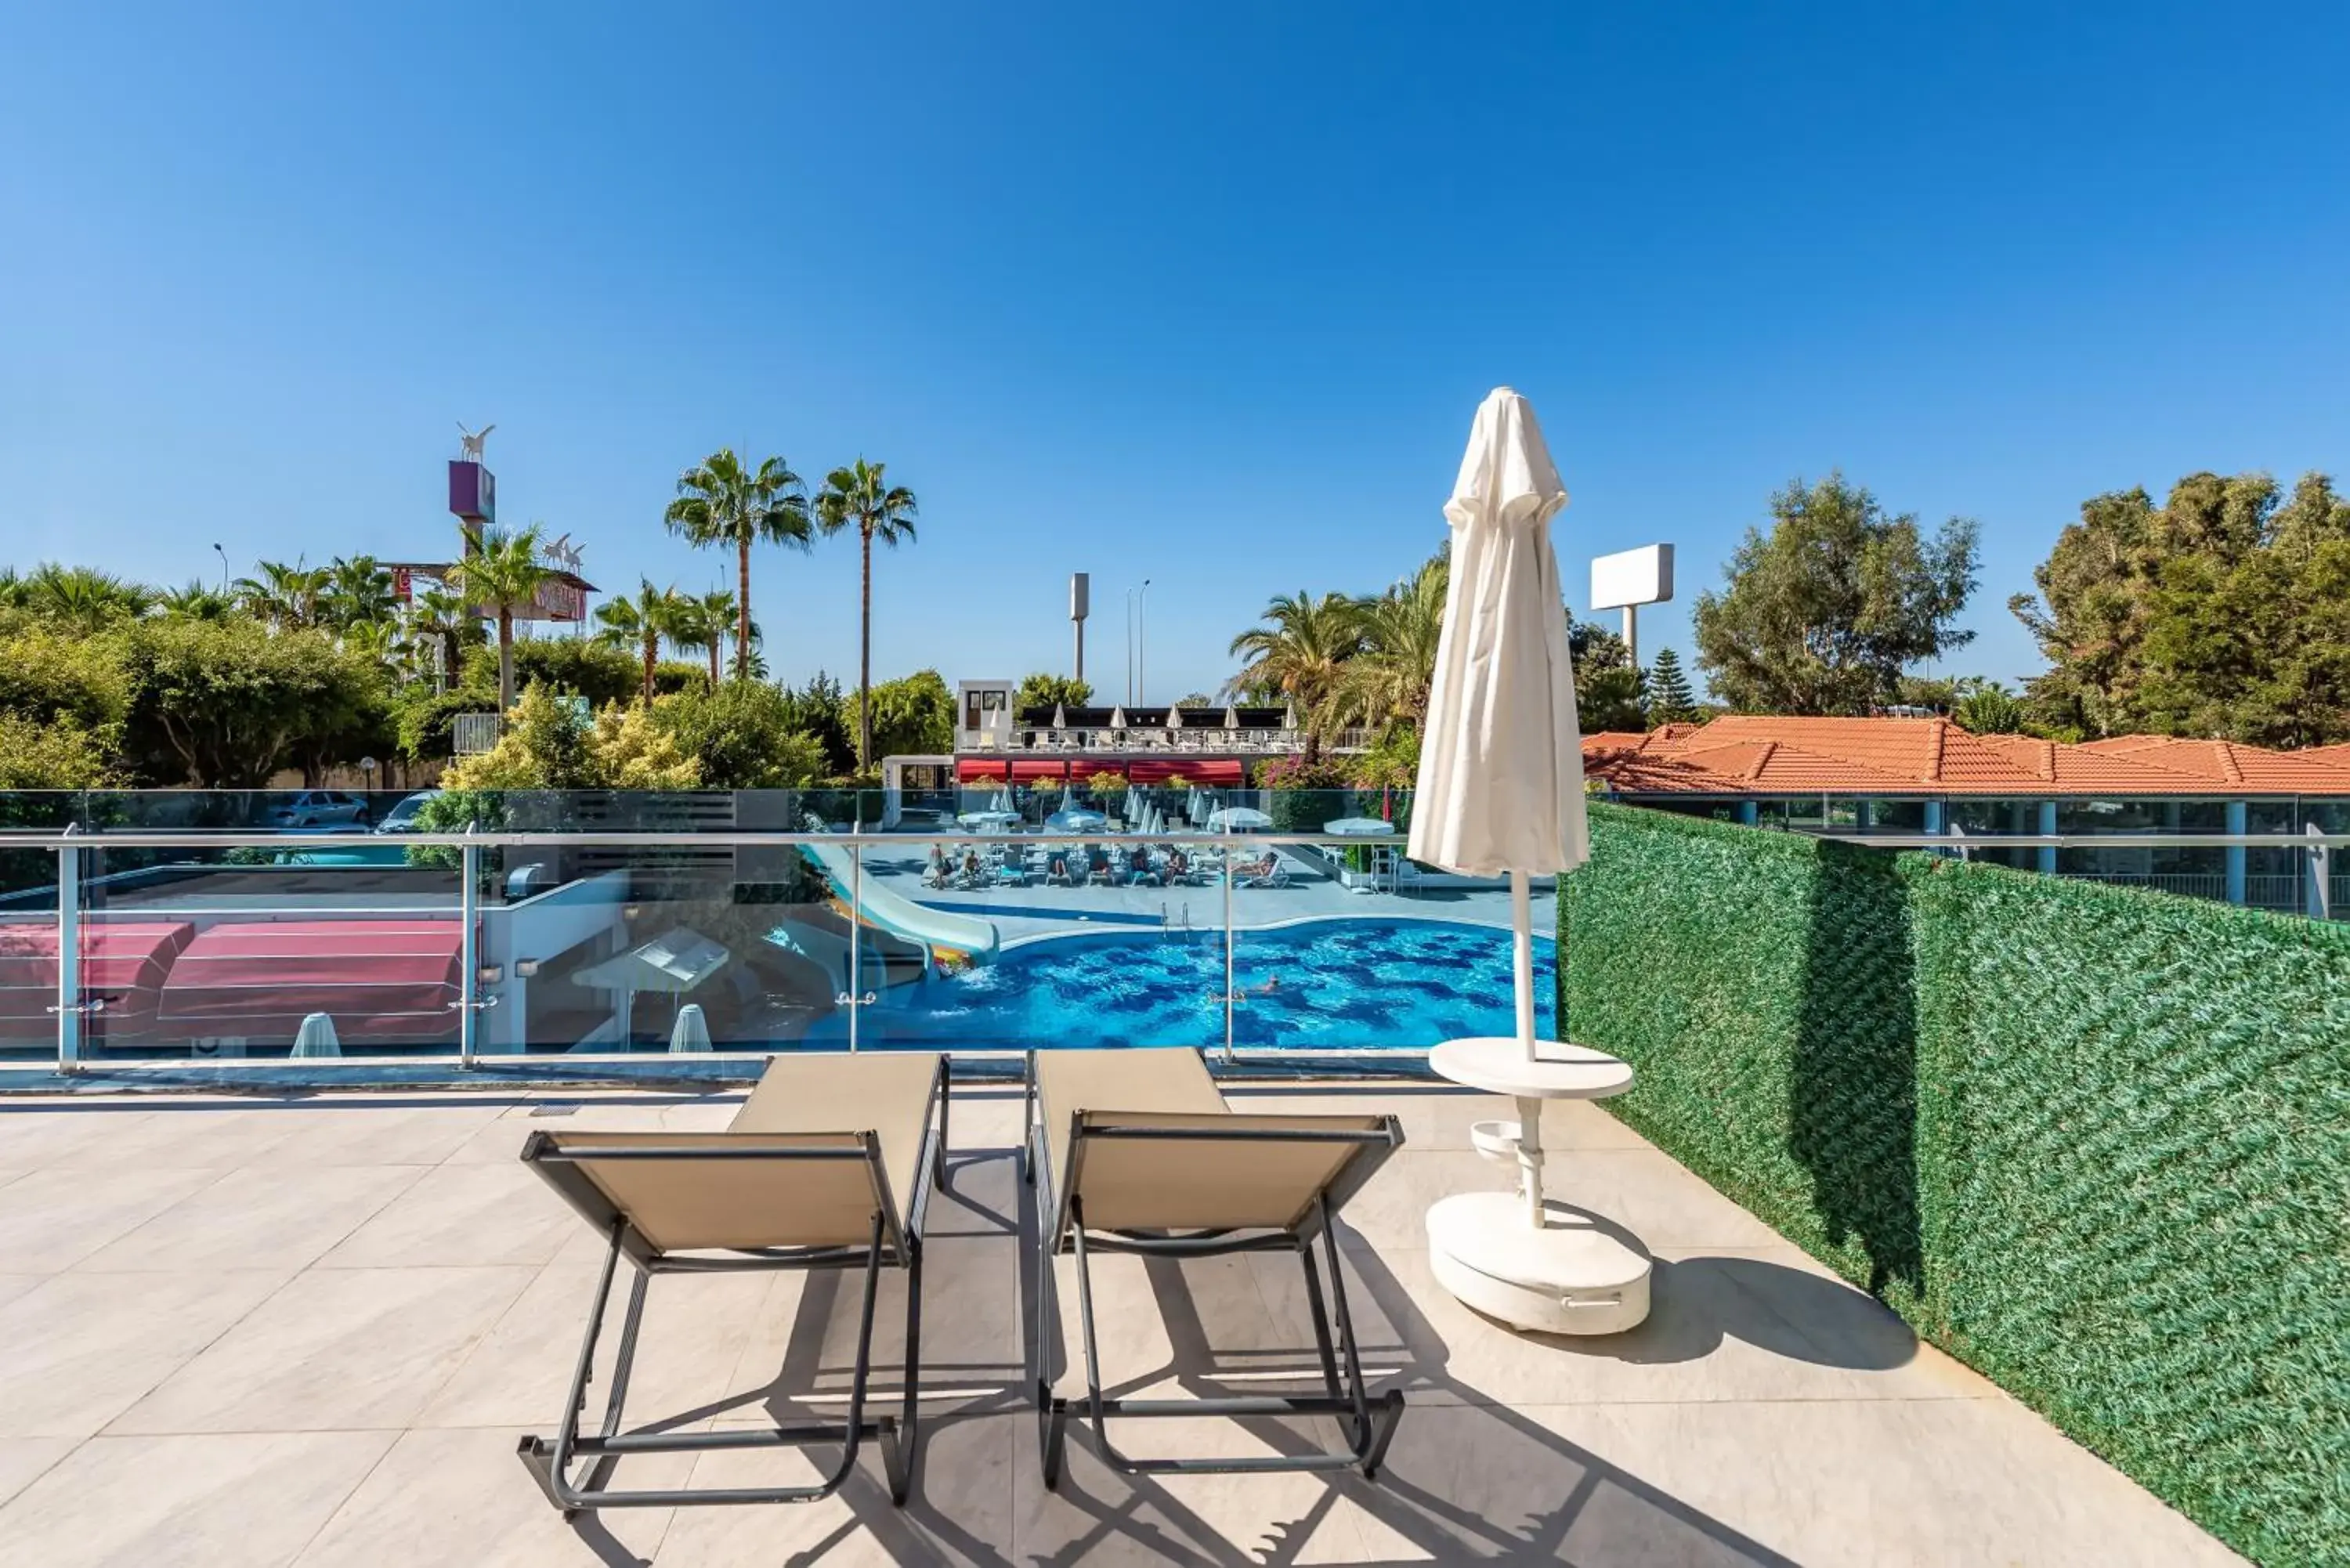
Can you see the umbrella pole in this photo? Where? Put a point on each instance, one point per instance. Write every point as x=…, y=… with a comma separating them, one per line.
x=1522, y=962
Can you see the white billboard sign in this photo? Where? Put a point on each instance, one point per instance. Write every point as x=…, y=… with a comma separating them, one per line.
x=1628, y=578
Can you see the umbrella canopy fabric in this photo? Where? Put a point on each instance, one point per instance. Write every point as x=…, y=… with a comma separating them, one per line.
x=1174, y=718
x=1232, y=718
x=1357, y=827
x=317, y=1037
x=1501, y=767
x=1118, y=717
x=1075, y=819
x=1060, y=716
x=1238, y=819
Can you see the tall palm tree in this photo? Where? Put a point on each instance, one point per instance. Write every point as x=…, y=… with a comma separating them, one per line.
x=438, y=614
x=501, y=578
x=722, y=503
x=1298, y=652
x=704, y=622
x=1390, y=677
x=861, y=496
x=285, y=597
x=642, y=623
x=357, y=590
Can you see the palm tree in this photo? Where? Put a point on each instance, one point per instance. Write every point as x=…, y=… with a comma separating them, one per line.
x=285, y=597
x=1389, y=678
x=862, y=496
x=1298, y=652
x=721, y=503
x=197, y=601
x=643, y=622
x=357, y=591
x=501, y=578
x=704, y=622
x=81, y=597
x=437, y=614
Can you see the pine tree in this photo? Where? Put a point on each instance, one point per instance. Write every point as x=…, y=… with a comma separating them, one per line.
x=1670, y=700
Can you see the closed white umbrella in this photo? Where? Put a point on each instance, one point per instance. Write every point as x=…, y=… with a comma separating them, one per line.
x=1500, y=764
x=1232, y=717
x=1118, y=717
x=1174, y=718
x=691, y=1032
x=317, y=1037
x=1060, y=716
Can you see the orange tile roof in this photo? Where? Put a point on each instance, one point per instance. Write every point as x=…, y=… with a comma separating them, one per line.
x=1757, y=755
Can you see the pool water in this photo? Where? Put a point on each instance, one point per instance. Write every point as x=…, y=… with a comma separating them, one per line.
x=1326, y=985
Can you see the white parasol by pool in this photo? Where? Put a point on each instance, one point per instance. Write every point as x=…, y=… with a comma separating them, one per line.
x=317, y=1037
x=1501, y=791
x=1357, y=827
x=1238, y=819
x=690, y=1032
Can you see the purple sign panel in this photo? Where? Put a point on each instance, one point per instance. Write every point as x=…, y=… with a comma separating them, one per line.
x=473, y=491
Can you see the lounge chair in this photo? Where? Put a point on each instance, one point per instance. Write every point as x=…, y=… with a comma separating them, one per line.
x=1135, y=1151
x=1056, y=869
x=828, y=1165
x=1268, y=872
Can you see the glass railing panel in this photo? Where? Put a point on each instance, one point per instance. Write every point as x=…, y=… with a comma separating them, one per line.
x=28, y=986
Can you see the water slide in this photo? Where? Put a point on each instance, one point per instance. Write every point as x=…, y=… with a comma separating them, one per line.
x=897, y=914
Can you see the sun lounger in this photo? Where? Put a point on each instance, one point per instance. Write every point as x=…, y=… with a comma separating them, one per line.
x=828, y=1165
x=1268, y=872
x=1135, y=1151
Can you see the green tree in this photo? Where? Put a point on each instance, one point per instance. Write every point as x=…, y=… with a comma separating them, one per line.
x=57, y=756
x=1296, y=655
x=1607, y=689
x=722, y=503
x=1388, y=679
x=704, y=622
x=1197, y=700
x=1823, y=614
x=196, y=600
x=2218, y=613
x=496, y=581
x=1046, y=689
x=1670, y=700
x=358, y=592
x=224, y=706
x=860, y=497
x=440, y=615
x=739, y=734
x=643, y=623
x=78, y=597
x=1989, y=710
x=285, y=597
x=911, y=717
x=817, y=712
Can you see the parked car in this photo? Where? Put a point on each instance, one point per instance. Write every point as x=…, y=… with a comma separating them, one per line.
x=319, y=808
x=402, y=818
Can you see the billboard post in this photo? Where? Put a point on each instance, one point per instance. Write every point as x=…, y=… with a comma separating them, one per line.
x=1628, y=580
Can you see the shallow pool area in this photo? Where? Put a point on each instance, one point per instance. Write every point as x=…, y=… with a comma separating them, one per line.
x=1361, y=984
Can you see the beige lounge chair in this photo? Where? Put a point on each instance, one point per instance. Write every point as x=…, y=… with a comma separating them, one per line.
x=828, y=1165
x=1135, y=1151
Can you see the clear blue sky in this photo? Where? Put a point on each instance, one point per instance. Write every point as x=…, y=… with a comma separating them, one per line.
x=1205, y=294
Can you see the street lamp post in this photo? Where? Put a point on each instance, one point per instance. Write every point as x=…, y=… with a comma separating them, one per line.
x=223, y=555
x=1141, y=642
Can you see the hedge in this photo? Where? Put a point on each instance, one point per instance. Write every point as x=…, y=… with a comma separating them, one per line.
x=2093, y=1141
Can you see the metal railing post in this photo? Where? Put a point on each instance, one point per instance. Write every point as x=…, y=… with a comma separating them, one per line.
x=1227, y=879
x=69, y=1007
x=469, y=861
x=853, y=1000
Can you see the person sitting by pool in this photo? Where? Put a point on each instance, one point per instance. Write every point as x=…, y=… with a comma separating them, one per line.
x=937, y=874
x=1137, y=867
x=970, y=872
x=1179, y=866
x=1056, y=867
x=1262, y=867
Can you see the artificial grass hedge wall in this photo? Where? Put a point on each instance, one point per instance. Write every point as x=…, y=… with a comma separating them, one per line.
x=2093, y=1141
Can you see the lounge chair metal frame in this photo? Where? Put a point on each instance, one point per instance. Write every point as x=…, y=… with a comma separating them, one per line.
x=1369, y=1422
x=891, y=1245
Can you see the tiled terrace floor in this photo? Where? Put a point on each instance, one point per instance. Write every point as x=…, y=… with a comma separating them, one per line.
x=259, y=1332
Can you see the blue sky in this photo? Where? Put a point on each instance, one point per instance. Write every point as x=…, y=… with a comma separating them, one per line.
x=1201, y=293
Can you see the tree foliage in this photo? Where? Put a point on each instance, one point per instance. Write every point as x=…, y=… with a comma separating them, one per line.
x=2224, y=612
x=1824, y=613
x=1990, y=709
x=860, y=497
x=912, y=716
x=1608, y=694
x=1045, y=690
x=817, y=712
x=224, y=705
x=548, y=745
x=739, y=734
x=1670, y=700
x=723, y=502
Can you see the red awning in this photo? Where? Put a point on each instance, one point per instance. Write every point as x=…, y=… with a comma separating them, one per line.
x=983, y=770
x=1221, y=772
x=1030, y=770
x=123, y=963
x=377, y=979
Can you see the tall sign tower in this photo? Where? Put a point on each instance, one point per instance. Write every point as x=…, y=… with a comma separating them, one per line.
x=472, y=489
x=1079, y=606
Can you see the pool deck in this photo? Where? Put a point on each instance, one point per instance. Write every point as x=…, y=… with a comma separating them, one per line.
x=262, y=1331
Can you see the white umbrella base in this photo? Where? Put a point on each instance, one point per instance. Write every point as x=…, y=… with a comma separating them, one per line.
x=1578, y=1274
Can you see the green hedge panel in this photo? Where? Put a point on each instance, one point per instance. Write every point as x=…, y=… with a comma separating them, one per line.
x=2093, y=1141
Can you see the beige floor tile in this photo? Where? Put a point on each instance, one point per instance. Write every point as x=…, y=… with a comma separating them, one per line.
x=258, y=1218
x=336, y=1134
x=462, y=1214
x=337, y=1348
x=450, y=1498
x=54, y=1218
x=15, y=1286
x=960, y=1512
x=24, y=1459
x=1647, y=1193
x=1100, y=1516
x=247, y=1500
x=694, y=1334
x=500, y=1141
x=179, y=1132
x=1194, y=1323
x=82, y=1348
x=35, y=1132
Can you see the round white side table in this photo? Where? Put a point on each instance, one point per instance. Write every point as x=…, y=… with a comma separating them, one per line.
x=1515, y=1255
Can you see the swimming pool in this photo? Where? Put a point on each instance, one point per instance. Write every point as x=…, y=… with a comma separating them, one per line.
x=1361, y=984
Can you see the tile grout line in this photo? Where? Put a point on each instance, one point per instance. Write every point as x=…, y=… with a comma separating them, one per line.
x=294, y=1558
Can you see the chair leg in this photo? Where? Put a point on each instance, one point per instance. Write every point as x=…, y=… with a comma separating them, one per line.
x=899, y=1453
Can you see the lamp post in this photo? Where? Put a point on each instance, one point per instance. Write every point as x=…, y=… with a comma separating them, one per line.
x=1141, y=640
x=223, y=555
